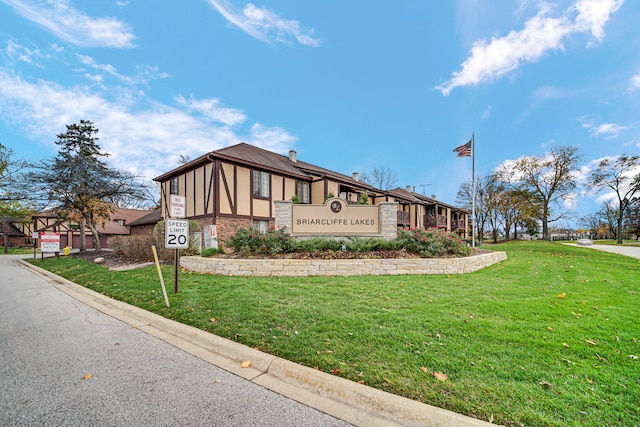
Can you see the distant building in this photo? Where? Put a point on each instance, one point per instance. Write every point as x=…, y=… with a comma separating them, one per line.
x=237, y=187
x=116, y=225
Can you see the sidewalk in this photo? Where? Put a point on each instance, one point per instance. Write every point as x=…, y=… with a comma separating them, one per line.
x=630, y=251
x=355, y=403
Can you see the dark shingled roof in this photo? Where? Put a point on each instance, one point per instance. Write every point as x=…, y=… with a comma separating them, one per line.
x=259, y=157
x=7, y=228
x=151, y=218
x=264, y=159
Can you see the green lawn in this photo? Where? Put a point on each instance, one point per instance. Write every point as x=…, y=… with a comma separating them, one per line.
x=548, y=337
x=18, y=251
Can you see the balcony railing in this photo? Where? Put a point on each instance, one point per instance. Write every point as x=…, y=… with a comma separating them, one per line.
x=457, y=224
x=435, y=221
x=404, y=218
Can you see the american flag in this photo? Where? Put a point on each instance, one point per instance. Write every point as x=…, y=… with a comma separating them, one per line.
x=464, y=150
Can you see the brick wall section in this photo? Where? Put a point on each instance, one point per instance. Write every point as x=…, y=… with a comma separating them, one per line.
x=341, y=267
x=227, y=226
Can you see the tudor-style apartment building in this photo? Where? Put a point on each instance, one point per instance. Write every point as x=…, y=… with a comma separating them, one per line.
x=237, y=187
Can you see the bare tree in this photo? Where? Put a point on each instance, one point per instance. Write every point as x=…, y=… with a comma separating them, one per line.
x=550, y=178
x=621, y=175
x=384, y=179
x=609, y=213
x=486, y=198
x=464, y=199
x=632, y=217
x=593, y=223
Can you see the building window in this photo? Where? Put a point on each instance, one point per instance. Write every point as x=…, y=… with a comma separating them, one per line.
x=260, y=184
x=173, y=185
x=261, y=225
x=302, y=191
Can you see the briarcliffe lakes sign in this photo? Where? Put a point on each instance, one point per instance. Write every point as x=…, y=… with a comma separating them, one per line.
x=335, y=217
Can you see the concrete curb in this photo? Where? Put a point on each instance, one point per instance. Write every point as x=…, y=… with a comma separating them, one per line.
x=355, y=403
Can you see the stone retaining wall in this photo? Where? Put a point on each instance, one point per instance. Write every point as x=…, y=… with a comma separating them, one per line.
x=339, y=267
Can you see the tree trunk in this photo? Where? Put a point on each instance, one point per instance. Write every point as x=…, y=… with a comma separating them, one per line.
x=96, y=237
x=619, y=232
x=83, y=235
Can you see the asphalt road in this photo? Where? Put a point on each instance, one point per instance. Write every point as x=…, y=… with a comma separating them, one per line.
x=63, y=363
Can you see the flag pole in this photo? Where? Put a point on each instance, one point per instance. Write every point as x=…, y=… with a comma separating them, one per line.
x=473, y=192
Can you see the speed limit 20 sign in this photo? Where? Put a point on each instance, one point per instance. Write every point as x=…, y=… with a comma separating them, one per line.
x=176, y=234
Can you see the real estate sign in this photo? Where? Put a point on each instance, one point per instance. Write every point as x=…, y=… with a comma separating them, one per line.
x=49, y=241
x=335, y=217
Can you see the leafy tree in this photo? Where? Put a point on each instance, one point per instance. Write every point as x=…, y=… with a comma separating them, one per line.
x=384, y=179
x=13, y=203
x=621, y=175
x=550, y=178
x=80, y=183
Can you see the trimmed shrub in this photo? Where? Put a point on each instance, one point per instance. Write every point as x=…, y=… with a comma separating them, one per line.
x=426, y=243
x=254, y=242
x=432, y=242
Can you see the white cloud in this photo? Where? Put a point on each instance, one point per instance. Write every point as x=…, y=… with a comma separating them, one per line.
x=635, y=82
x=490, y=60
x=211, y=109
x=144, y=73
x=607, y=130
x=146, y=142
x=547, y=92
x=265, y=25
x=594, y=14
x=73, y=26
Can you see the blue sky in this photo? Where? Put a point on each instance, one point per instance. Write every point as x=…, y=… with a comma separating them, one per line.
x=350, y=85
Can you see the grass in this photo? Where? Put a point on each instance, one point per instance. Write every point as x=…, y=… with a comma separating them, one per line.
x=18, y=251
x=546, y=338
